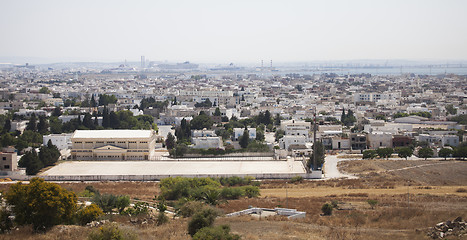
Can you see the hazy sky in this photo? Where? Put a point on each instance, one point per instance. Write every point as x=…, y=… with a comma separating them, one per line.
x=233, y=31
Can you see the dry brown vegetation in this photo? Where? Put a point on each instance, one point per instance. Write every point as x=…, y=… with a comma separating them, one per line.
x=436, y=193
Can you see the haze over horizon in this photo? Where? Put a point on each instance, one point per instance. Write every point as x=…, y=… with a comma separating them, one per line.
x=232, y=31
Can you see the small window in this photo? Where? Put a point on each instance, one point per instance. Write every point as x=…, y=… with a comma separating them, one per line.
x=4, y=158
x=6, y=166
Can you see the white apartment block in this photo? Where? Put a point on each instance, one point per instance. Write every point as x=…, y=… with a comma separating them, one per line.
x=296, y=128
x=289, y=140
x=375, y=97
x=62, y=141
x=238, y=132
x=113, y=144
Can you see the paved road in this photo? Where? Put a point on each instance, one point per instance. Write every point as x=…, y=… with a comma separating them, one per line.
x=330, y=167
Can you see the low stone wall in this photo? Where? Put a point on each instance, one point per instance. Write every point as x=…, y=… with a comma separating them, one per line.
x=313, y=175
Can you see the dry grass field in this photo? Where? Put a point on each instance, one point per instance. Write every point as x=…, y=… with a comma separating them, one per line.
x=411, y=196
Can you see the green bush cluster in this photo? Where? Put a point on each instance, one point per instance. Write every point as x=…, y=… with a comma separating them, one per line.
x=201, y=219
x=214, y=233
x=207, y=189
x=108, y=202
x=238, y=192
x=112, y=231
x=236, y=181
x=88, y=214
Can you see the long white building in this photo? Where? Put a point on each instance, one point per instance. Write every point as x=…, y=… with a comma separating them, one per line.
x=113, y=144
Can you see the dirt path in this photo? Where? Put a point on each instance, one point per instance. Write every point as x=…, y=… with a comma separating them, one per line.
x=326, y=191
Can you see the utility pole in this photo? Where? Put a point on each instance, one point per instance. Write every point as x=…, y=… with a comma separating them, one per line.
x=286, y=196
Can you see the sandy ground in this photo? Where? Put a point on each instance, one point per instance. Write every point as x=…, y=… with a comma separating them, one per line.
x=174, y=167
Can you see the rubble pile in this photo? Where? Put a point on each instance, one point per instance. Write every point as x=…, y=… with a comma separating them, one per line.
x=97, y=223
x=455, y=228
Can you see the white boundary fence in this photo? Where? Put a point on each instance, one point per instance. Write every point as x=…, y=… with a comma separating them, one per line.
x=313, y=175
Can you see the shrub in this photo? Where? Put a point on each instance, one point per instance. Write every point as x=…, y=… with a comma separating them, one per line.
x=461, y=190
x=369, y=154
x=89, y=214
x=91, y=189
x=384, y=152
x=112, y=232
x=122, y=202
x=41, y=204
x=334, y=203
x=296, y=179
x=232, y=193
x=326, y=209
x=372, y=203
x=189, y=208
x=106, y=202
x=251, y=191
x=6, y=224
x=201, y=219
x=214, y=233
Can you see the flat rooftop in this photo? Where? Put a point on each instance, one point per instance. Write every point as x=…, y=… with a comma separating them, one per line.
x=123, y=133
x=89, y=168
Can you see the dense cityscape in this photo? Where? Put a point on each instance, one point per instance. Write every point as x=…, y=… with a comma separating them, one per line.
x=228, y=120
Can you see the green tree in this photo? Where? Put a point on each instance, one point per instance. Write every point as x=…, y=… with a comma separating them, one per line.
x=244, y=139
x=445, y=153
x=93, y=102
x=105, y=118
x=260, y=136
x=43, y=125
x=277, y=120
x=105, y=99
x=6, y=126
x=384, y=152
x=201, y=121
x=279, y=134
x=55, y=125
x=320, y=156
x=425, y=152
x=369, y=154
x=87, y=121
x=114, y=120
x=41, y=204
x=170, y=141
x=49, y=154
x=404, y=152
x=450, y=109
x=201, y=219
x=44, y=90
x=30, y=160
x=215, y=233
x=57, y=112
x=460, y=151
x=32, y=125
x=8, y=140
x=217, y=112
